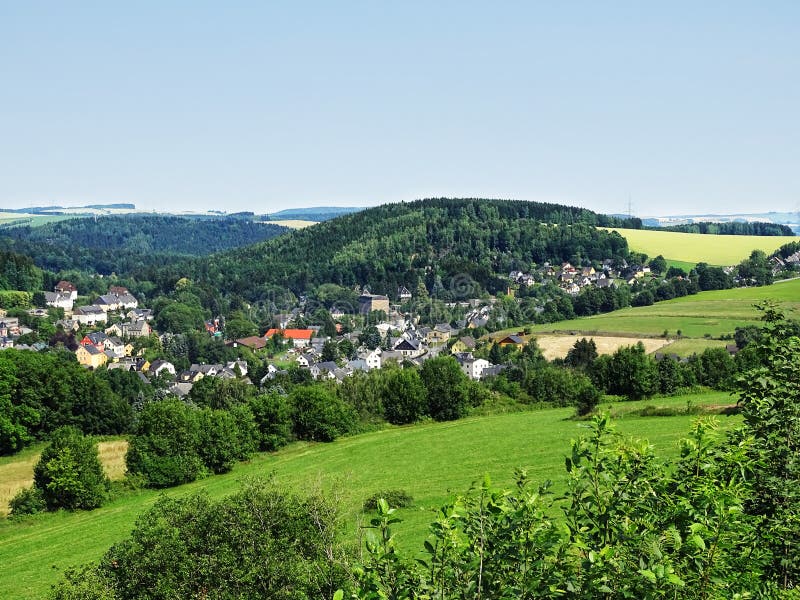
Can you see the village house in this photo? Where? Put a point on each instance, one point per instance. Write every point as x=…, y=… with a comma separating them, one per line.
x=96, y=339
x=403, y=294
x=114, y=329
x=117, y=347
x=140, y=314
x=472, y=367
x=136, y=329
x=68, y=288
x=253, y=342
x=157, y=367
x=91, y=356
x=463, y=344
x=114, y=302
x=58, y=300
x=511, y=340
x=372, y=359
x=89, y=315
x=324, y=370
x=306, y=360
x=409, y=348
x=368, y=303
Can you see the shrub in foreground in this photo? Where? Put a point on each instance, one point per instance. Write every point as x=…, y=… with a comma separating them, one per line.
x=262, y=542
x=69, y=473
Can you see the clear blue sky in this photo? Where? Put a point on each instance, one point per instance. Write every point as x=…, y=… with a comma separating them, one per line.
x=683, y=106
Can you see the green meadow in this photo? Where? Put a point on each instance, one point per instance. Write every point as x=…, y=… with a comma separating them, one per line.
x=691, y=248
x=430, y=461
x=705, y=314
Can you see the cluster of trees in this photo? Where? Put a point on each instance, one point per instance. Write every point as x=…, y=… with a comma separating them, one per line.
x=582, y=377
x=733, y=228
x=18, y=272
x=40, y=392
x=174, y=443
x=726, y=523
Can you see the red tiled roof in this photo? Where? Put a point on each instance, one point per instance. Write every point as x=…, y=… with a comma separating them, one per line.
x=253, y=341
x=291, y=334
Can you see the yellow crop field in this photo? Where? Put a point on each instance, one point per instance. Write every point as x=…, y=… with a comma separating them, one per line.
x=697, y=247
x=293, y=223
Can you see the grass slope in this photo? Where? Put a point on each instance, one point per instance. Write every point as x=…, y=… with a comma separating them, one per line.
x=426, y=460
x=714, y=313
x=696, y=247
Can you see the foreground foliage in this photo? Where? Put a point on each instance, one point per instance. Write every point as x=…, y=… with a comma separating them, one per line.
x=259, y=543
x=720, y=522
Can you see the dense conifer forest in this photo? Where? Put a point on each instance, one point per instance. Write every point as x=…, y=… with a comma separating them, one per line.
x=122, y=244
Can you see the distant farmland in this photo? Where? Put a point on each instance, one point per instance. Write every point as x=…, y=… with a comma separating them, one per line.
x=707, y=314
x=697, y=247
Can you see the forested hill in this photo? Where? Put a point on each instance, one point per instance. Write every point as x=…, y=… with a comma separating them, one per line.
x=431, y=241
x=126, y=242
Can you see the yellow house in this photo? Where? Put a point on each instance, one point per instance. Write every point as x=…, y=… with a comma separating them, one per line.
x=511, y=340
x=128, y=349
x=464, y=344
x=89, y=356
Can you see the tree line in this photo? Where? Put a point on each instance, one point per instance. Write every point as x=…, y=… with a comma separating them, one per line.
x=730, y=228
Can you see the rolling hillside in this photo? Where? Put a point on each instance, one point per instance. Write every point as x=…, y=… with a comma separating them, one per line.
x=695, y=247
x=714, y=313
x=429, y=461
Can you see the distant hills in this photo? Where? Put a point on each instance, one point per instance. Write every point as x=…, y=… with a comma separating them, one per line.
x=792, y=219
x=60, y=210
x=124, y=243
x=317, y=213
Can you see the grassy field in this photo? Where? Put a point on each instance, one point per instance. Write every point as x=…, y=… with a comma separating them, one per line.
x=696, y=247
x=429, y=461
x=16, y=219
x=689, y=346
x=714, y=313
x=681, y=264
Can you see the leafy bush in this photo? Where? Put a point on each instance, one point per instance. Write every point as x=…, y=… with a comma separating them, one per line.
x=164, y=447
x=404, y=397
x=446, y=388
x=69, y=473
x=394, y=498
x=218, y=440
x=262, y=542
x=320, y=415
x=28, y=501
x=273, y=418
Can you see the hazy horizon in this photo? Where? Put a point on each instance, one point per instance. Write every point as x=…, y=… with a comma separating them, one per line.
x=677, y=109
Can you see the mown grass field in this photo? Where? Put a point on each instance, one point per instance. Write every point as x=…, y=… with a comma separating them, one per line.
x=714, y=313
x=429, y=461
x=697, y=247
